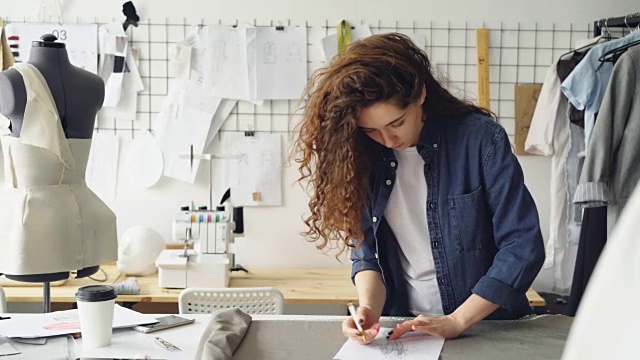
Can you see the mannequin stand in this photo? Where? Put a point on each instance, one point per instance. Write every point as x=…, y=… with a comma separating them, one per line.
x=47, y=279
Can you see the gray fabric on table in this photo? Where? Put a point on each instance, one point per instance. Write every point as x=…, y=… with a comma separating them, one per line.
x=222, y=336
x=540, y=337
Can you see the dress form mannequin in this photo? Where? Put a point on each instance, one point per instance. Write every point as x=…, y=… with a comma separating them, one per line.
x=78, y=96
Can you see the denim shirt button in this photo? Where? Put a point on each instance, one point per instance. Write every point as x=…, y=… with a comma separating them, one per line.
x=442, y=280
x=388, y=182
x=432, y=205
x=435, y=146
x=375, y=219
x=393, y=164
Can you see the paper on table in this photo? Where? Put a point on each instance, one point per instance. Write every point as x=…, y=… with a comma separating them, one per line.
x=330, y=43
x=102, y=166
x=282, y=62
x=144, y=164
x=81, y=41
x=6, y=348
x=256, y=178
x=64, y=322
x=410, y=346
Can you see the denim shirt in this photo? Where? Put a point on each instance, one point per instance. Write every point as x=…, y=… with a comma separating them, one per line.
x=483, y=223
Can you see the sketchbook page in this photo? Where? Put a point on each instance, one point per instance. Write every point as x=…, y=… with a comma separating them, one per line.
x=282, y=62
x=81, y=41
x=330, y=43
x=255, y=178
x=412, y=345
x=102, y=166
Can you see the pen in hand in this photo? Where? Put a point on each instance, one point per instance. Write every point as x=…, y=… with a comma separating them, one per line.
x=352, y=311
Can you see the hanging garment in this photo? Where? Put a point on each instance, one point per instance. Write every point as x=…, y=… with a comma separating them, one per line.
x=551, y=134
x=50, y=221
x=586, y=86
x=593, y=238
x=611, y=170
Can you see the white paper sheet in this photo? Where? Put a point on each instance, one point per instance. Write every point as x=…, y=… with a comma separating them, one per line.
x=81, y=41
x=256, y=179
x=114, y=48
x=412, y=345
x=6, y=348
x=64, y=322
x=232, y=54
x=127, y=107
x=102, y=166
x=225, y=108
x=330, y=43
x=187, y=115
x=281, y=62
x=185, y=120
x=144, y=164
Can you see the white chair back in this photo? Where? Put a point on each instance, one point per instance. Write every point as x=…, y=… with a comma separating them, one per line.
x=265, y=300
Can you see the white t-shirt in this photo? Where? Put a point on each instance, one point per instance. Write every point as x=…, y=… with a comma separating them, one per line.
x=406, y=213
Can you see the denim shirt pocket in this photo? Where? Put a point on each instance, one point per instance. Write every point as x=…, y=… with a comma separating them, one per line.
x=469, y=221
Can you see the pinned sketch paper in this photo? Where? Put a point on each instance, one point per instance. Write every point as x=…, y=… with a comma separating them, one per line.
x=145, y=164
x=81, y=41
x=190, y=114
x=114, y=47
x=330, y=43
x=281, y=62
x=127, y=107
x=102, y=166
x=231, y=51
x=256, y=178
x=225, y=108
x=412, y=345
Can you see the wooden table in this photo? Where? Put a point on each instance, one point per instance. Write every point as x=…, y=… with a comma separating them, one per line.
x=330, y=286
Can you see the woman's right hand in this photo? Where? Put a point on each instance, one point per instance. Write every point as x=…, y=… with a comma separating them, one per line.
x=369, y=322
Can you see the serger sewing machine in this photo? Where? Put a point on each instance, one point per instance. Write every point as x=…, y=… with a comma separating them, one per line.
x=211, y=231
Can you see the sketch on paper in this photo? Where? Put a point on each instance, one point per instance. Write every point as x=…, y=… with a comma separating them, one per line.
x=294, y=53
x=393, y=349
x=219, y=55
x=411, y=346
x=270, y=53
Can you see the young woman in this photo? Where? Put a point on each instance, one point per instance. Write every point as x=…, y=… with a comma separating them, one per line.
x=422, y=187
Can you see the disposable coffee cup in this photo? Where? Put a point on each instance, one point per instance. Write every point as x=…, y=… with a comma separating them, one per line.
x=95, y=309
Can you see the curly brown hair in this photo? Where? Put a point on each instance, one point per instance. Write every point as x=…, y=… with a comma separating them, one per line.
x=334, y=156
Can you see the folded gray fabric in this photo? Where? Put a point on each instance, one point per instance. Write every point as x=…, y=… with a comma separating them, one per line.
x=127, y=287
x=223, y=335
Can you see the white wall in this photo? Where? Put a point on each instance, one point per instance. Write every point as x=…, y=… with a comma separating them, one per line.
x=272, y=233
x=489, y=10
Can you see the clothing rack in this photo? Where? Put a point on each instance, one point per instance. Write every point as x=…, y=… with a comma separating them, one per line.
x=627, y=21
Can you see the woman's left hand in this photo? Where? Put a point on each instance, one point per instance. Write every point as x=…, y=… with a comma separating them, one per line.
x=445, y=326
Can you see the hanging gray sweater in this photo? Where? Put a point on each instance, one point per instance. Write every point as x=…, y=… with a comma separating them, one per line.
x=612, y=166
